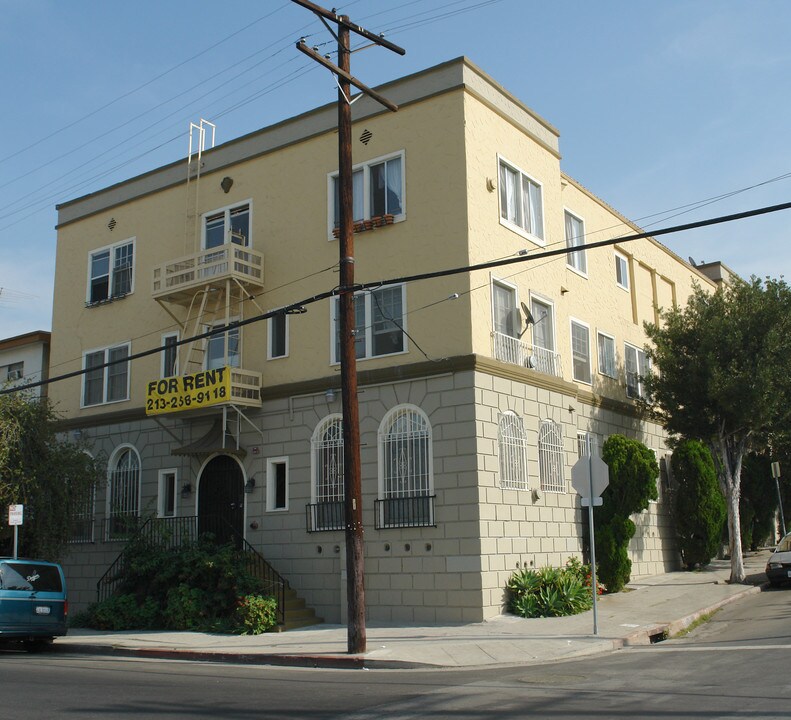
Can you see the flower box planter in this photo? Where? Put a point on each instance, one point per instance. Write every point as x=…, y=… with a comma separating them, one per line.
x=365, y=225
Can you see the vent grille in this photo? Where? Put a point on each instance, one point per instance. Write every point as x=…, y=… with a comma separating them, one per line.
x=112, y=224
x=365, y=138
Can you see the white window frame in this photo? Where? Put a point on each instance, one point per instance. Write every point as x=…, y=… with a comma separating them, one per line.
x=549, y=319
x=411, y=485
x=227, y=356
x=624, y=282
x=106, y=374
x=531, y=230
x=132, y=505
x=512, y=446
x=163, y=369
x=581, y=324
x=270, y=327
x=514, y=316
x=226, y=212
x=163, y=476
x=111, y=272
x=551, y=465
x=271, y=483
x=603, y=370
x=365, y=325
x=15, y=371
x=365, y=168
x=576, y=260
x=642, y=368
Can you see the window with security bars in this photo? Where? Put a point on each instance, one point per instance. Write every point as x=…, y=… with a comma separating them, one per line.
x=587, y=444
x=512, y=443
x=326, y=511
x=550, y=457
x=83, y=518
x=123, y=495
x=405, y=467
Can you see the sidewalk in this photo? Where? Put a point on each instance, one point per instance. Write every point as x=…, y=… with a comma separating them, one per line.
x=651, y=608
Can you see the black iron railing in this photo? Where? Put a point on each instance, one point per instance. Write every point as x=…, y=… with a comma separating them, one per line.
x=325, y=516
x=183, y=531
x=401, y=512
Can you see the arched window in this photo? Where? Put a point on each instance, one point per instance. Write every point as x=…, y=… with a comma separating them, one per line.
x=326, y=511
x=512, y=442
x=405, y=469
x=550, y=457
x=123, y=496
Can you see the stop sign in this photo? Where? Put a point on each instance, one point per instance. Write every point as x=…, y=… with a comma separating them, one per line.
x=590, y=476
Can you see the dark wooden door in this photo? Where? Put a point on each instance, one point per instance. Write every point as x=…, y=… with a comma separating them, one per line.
x=221, y=500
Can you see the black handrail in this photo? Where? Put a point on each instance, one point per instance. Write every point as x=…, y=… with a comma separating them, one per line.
x=178, y=531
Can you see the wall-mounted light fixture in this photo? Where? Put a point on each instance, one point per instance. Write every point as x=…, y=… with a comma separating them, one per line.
x=186, y=490
x=330, y=395
x=249, y=486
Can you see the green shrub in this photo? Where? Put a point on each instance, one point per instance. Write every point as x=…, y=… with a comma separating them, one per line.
x=256, y=614
x=123, y=612
x=188, y=587
x=550, y=592
x=699, y=509
x=633, y=475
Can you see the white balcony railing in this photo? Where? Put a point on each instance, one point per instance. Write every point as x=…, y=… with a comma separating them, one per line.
x=227, y=262
x=513, y=350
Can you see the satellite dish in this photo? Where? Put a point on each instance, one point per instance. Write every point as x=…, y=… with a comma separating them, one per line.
x=692, y=262
x=531, y=362
x=529, y=319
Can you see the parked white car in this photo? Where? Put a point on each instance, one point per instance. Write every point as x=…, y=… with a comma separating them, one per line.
x=778, y=569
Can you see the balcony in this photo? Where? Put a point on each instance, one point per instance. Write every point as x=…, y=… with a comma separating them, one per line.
x=245, y=387
x=178, y=280
x=512, y=350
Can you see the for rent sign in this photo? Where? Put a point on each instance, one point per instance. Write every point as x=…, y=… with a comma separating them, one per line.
x=188, y=392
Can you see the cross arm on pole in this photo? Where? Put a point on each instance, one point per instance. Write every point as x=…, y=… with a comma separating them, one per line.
x=310, y=52
x=343, y=20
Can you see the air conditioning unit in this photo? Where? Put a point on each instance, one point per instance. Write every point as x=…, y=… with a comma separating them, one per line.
x=14, y=374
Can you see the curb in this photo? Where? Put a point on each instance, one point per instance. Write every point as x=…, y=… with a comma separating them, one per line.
x=333, y=662
x=665, y=631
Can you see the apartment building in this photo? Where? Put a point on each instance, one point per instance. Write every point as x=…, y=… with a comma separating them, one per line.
x=24, y=359
x=478, y=391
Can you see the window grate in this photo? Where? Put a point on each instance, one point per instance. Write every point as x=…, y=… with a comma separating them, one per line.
x=513, y=452
x=550, y=457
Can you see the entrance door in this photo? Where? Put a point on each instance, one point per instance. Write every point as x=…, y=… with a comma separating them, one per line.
x=221, y=500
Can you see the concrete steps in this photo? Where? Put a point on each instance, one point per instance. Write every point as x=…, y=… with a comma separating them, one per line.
x=297, y=613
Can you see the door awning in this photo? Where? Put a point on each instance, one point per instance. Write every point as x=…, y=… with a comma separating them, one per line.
x=210, y=443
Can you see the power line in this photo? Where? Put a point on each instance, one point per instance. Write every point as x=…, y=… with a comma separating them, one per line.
x=141, y=87
x=299, y=306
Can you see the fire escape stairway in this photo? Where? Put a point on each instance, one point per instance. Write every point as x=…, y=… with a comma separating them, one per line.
x=292, y=611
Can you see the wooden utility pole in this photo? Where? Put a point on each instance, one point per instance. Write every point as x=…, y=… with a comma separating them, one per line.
x=355, y=557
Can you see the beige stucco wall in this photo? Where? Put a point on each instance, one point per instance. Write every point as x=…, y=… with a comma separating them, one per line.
x=288, y=193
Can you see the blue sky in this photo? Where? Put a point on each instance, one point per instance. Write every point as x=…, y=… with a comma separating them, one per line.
x=659, y=104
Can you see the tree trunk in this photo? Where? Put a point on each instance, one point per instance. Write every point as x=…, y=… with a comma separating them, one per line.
x=729, y=473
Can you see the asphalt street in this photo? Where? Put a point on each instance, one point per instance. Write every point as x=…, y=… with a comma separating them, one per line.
x=734, y=666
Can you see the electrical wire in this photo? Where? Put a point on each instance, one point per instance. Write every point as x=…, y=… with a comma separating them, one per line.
x=299, y=306
x=141, y=87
